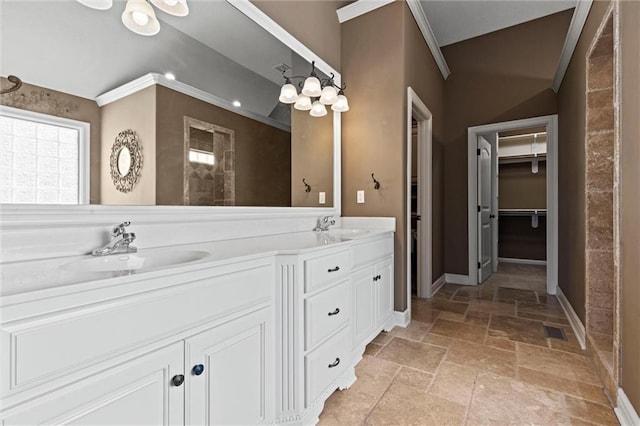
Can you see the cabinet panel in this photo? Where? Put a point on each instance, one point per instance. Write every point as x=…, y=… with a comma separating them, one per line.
x=236, y=384
x=326, y=312
x=364, y=304
x=370, y=251
x=326, y=269
x=384, y=275
x=325, y=364
x=136, y=392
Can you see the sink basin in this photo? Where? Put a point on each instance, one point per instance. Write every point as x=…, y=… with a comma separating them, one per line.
x=134, y=261
x=349, y=233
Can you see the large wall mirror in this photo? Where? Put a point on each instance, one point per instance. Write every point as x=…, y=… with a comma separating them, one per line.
x=200, y=98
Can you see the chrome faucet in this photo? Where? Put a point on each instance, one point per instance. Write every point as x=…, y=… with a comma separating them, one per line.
x=120, y=240
x=324, y=222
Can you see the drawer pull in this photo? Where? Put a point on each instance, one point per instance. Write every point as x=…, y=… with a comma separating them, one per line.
x=337, y=268
x=198, y=369
x=335, y=363
x=177, y=380
x=379, y=277
x=375, y=278
x=336, y=312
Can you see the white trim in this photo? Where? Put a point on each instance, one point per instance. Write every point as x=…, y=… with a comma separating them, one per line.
x=402, y=319
x=456, y=279
x=84, y=140
x=627, y=415
x=159, y=79
x=551, y=122
x=574, y=320
x=358, y=8
x=438, y=284
x=522, y=261
x=575, y=29
x=429, y=37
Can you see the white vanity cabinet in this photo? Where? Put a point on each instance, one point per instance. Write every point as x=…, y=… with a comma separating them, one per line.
x=194, y=347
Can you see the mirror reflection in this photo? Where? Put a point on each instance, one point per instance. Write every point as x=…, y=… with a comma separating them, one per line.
x=201, y=96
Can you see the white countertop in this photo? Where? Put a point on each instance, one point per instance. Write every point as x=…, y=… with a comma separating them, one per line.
x=40, y=275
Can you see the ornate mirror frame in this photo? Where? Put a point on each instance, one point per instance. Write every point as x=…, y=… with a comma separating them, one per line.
x=126, y=139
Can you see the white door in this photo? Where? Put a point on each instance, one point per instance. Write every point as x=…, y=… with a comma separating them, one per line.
x=363, y=304
x=231, y=376
x=384, y=281
x=485, y=233
x=148, y=390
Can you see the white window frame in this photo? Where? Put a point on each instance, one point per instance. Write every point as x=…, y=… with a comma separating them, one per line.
x=84, y=132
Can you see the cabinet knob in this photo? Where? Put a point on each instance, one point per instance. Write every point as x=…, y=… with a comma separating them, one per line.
x=379, y=277
x=197, y=369
x=177, y=380
x=337, y=268
x=336, y=312
x=335, y=363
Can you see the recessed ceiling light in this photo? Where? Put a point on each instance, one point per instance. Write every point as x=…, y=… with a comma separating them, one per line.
x=237, y=104
x=169, y=76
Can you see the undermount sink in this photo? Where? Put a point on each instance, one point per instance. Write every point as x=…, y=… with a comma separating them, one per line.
x=134, y=261
x=349, y=233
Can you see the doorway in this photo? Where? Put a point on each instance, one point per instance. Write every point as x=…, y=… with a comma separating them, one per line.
x=529, y=144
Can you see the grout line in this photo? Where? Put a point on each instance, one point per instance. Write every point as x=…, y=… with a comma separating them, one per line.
x=375, y=404
x=473, y=391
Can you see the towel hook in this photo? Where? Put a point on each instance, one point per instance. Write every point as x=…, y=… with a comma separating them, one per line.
x=376, y=184
x=307, y=187
x=17, y=83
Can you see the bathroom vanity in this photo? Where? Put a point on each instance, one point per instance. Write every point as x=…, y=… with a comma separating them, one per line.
x=253, y=331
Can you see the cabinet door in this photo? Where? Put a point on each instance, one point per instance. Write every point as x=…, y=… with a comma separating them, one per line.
x=364, y=305
x=384, y=275
x=231, y=372
x=140, y=391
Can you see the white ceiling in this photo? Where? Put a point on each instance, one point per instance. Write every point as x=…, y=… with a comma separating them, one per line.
x=456, y=20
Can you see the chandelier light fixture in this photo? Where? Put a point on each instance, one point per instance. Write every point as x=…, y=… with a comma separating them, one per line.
x=139, y=15
x=315, y=95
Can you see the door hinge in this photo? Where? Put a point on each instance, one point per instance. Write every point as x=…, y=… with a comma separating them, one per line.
x=478, y=151
x=479, y=265
x=479, y=209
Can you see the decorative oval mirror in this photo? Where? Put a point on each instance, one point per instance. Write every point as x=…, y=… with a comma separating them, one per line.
x=126, y=161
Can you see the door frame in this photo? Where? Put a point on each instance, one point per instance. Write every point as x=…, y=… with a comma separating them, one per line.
x=416, y=108
x=551, y=123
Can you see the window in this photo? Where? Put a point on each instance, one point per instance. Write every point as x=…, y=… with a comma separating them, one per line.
x=43, y=159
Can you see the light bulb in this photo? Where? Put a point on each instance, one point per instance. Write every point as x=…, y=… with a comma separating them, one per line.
x=303, y=103
x=97, y=4
x=311, y=87
x=318, y=110
x=237, y=104
x=341, y=104
x=140, y=18
x=288, y=94
x=171, y=2
x=172, y=7
x=329, y=95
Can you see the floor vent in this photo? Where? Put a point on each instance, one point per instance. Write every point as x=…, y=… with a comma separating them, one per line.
x=554, y=332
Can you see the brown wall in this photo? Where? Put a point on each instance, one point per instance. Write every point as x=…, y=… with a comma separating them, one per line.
x=630, y=200
x=518, y=240
x=314, y=23
x=262, y=152
x=374, y=130
x=518, y=188
x=311, y=158
x=571, y=167
x=46, y=101
x=505, y=75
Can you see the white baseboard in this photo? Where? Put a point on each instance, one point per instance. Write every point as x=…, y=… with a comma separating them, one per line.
x=627, y=415
x=522, y=261
x=437, y=284
x=456, y=279
x=576, y=324
x=402, y=319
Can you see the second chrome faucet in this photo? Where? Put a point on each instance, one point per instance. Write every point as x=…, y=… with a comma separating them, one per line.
x=324, y=222
x=119, y=243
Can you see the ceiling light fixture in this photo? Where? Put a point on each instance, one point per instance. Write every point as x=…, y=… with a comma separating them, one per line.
x=236, y=104
x=169, y=76
x=315, y=94
x=139, y=16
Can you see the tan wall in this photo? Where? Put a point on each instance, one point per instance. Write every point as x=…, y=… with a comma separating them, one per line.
x=518, y=240
x=571, y=168
x=262, y=152
x=135, y=112
x=46, y=101
x=490, y=85
x=311, y=158
x=313, y=22
x=630, y=200
x=518, y=188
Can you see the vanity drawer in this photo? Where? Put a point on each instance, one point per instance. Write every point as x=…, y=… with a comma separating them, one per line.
x=325, y=364
x=371, y=251
x=324, y=270
x=326, y=312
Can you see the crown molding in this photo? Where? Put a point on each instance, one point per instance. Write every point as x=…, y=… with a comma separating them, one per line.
x=359, y=7
x=429, y=37
x=575, y=29
x=150, y=79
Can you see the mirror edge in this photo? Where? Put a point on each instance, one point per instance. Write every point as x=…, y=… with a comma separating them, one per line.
x=14, y=216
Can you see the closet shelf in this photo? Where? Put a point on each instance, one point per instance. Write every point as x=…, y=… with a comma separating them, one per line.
x=522, y=158
x=522, y=212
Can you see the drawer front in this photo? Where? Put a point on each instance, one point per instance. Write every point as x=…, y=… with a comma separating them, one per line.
x=46, y=349
x=325, y=364
x=371, y=251
x=326, y=312
x=324, y=270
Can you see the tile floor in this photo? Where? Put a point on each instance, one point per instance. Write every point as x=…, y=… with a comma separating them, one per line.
x=476, y=355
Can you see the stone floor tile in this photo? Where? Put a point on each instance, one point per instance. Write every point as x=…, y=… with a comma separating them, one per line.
x=424, y=312
x=414, y=378
x=564, y=364
x=500, y=343
x=517, y=329
x=413, y=354
x=416, y=330
x=458, y=330
x=382, y=339
x=510, y=294
x=498, y=308
x=437, y=340
x=454, y=383
x=587, y=410
x=482, y=357
x=587, y=391
x=478, y=318
x=372, y=349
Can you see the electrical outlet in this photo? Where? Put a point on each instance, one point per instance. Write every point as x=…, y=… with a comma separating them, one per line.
x=360, y=197
x=322, y=197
